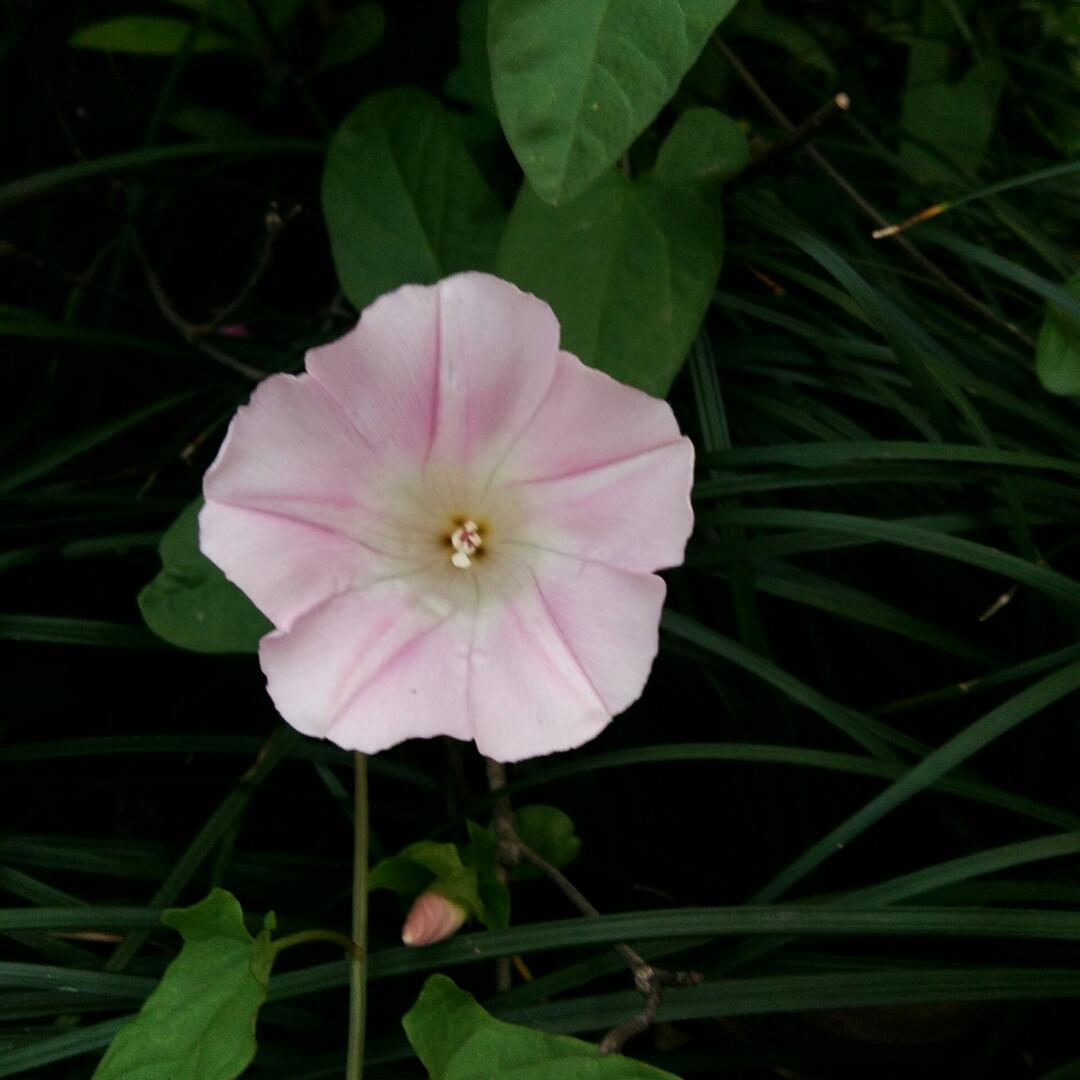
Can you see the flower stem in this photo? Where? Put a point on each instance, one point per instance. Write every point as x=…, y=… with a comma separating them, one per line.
x=506, y=853
x=354, y=1066
x=305, y=937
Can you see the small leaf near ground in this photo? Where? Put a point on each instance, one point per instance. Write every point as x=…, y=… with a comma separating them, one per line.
x=1057, y=352
x=200, y=1021
x=576, y=81
x=191, y=603
x=150, y=35
x=550, y=833
x=456, y=1039
x=629, y=269
x=465, y=876
x=403, y=200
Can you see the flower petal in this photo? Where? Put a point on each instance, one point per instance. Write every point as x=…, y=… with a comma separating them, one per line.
x=588, y=419
x=497, y=360
x=290, y=451
x=383, y=372
x=285, y=566
x=633, y=514
x=370, y=668
x=449, y=372
x=558, y=656
x=604, y=473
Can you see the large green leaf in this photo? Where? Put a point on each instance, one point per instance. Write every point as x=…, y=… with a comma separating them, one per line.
x=403, y=200
x=629, y=268
x=200, y=1021
x=150, y=35
x=1057, y=353
x=191, y=603
x=458, y=1040
x=576, y=81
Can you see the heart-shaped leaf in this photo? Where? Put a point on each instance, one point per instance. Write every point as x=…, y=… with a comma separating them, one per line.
x=200, y=1021
x=403, y=200
x=458, y=1040
x=576, y=81
x=629, y=269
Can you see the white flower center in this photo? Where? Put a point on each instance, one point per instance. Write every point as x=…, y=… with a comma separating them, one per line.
x=466, y=541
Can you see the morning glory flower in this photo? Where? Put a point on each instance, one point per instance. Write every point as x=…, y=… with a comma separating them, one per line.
x=453, y=526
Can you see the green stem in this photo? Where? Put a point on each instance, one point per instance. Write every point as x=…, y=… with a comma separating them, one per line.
x=354, y=1066
x=305, y=937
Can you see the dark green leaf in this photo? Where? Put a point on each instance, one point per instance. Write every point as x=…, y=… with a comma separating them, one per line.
x=403, y=200
x=57, y=630
x=200, y=1021
x=471, y=80
x=38, y=183
x=945, y=758
x=704, y=146
x=1057, y=354
x=239, y=18
x=191, y=603
x=207, y=123
x=752, y=19
x=356, y=32
x=950, y=120
x=576, y=81
x=69, y=448
x=479, y=854
x=464, y=876
x=550, y=833
x=458, y=1040
x=629, y=268
x=149, y=35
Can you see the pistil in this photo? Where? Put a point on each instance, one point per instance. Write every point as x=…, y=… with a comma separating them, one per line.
x=466, y=541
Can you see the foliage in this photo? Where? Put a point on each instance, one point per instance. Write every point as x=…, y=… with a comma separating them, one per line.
x=1057, y=354
x=466, y=876
x=190, y=603
x=457, y=1040
x=847, y=796
x=200, y=1021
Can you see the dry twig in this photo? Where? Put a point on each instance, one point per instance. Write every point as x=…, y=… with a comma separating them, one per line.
x=649, y=981
x=863, y=204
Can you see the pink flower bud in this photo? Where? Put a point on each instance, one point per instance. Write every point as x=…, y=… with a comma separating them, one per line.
x=432, y=918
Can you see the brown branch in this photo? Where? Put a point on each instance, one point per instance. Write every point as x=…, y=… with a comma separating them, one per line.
x=80, y=280
x=507, y=851
x=863, y=204
x=649, y=981
x=275, y=223
x=190, y=332
x=795, y=137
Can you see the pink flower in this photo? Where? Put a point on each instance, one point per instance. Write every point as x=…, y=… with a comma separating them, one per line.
x=453, y=527
x=432, y=918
